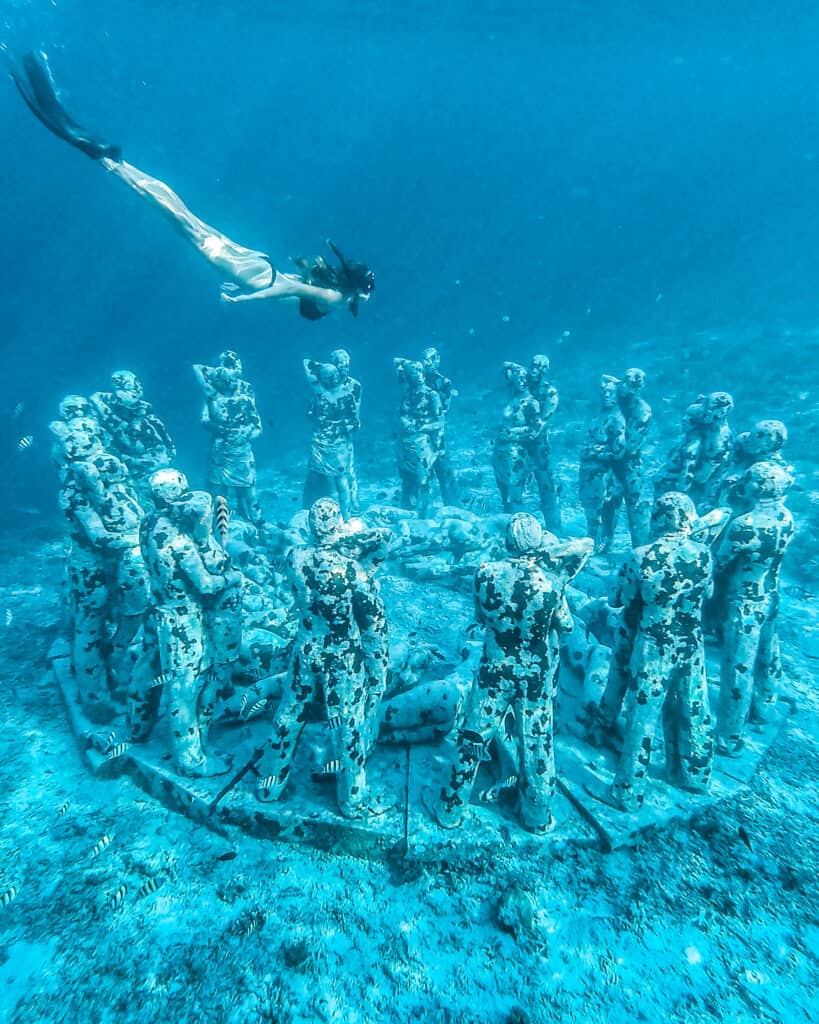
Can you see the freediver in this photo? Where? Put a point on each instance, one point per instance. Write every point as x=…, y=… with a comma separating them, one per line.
x=319, y=287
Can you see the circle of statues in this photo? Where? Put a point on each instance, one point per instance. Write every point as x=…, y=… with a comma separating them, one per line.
x=190, y=600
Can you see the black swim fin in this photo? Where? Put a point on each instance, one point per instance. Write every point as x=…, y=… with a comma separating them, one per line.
x=36, y=85
x=310, y=311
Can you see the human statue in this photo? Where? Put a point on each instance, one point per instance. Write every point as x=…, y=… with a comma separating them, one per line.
x=516, y=439
x=419, y=435
x=661, y=591
x=340, y=358
x=329, y=661
x=136, y=434
x=519, y=601
x=748, y=564
x=547, y=397
x=698, y=464
x=106, y=483
x=233, y=422
x=764, y=442
x=181, y=583
x=334, y=412
x=628, y=470
x=446, y=391
x=319, y=286
x=603, y=449
x=102, y=529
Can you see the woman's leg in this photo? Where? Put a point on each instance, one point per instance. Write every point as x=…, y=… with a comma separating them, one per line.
x=247, y=267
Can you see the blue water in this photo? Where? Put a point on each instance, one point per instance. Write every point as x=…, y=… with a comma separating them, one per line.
x=567, y=166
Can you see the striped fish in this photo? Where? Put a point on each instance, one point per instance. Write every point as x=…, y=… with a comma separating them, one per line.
x=331, y=767
x=334, y=722
x=63, y=809
x=100, y=846
x=110, y=740
x=222, y=515
x=149, y=886
x=266, y=783
x=116, y=751
x=15, y=414
x=255, y=708
x=160, y=680
x=116, y=899
x=25, y=442
x=9, y=896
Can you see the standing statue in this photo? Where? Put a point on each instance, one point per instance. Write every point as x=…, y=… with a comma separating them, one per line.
x=445, y=390
x=698, y=464
x=102, y=535
x=547, y=397
x=629, y=469
x=180, y=584
x=340, y=358
x=748, y=564
x=137, y=435
x=661, y=591
x=763, y=443
x=329, y=658
x=334, y=412
x=420, y=429
x=603, y=449
x=231, y=418
x=520, y=602
x=516, y=439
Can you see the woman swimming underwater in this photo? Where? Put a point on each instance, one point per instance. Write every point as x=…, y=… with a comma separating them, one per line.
x=319, y=287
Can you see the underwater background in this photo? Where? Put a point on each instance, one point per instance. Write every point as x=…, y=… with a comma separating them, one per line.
x=615, y=184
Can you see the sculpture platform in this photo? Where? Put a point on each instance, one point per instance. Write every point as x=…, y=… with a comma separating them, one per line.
x=403, y=834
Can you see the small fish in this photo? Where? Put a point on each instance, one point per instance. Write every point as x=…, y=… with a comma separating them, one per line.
x=255, y=708
x=15, y=413
x=227, y=855
x=62, y=810
x=743, y=835
x=267, y=782
x=243, y=704
x=117, y=751
x=334, y=722
x=160, y=680
x=331, y=767
x=116, y=899
x=150, y=885
x=222, y=516
x=248, y=923
x=110, y=740
x=100, y=846
x=25, y=442
x=8, y=896
x=9, y=616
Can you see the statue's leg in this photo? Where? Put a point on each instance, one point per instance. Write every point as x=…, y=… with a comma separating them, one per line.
x=89, y=601
x=740, y=645
x=767, y=671
x=537, y=777
x=688, y=725
x=644, y=702
x=274, y=766
x=344, y=695
x=246, y=267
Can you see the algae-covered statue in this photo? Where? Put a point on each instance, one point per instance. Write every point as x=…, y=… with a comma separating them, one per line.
x=748, y=563
x=629, y=468
x=662, y=659
x=334, y=413
x=762, y=443
x=136, y=434
x=517, y=438
x=181, y=583
x=698, y=463
x=446, y=391
x=334, y=598
x=340, y=358
x=603, y=449
x=520, y=602
x=547, y=397
x=105, y=574
x=419, y=436
x=232, y=420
